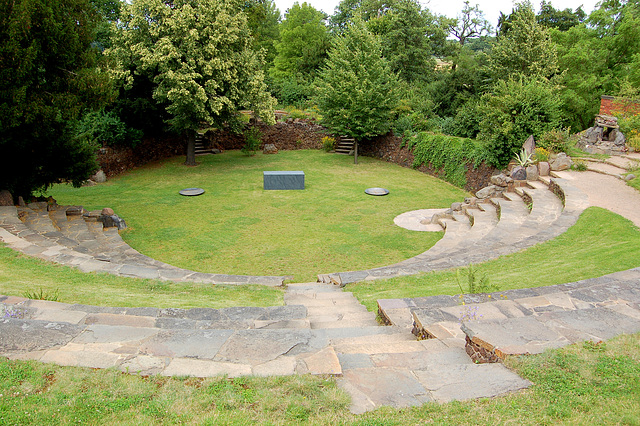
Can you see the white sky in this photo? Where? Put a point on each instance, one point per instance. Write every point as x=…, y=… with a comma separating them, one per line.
x=451, y=8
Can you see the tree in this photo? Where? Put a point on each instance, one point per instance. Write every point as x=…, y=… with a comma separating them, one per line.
x=469, y=24
x=356, y=90
x=263, y=19
x=199, y=57
x=302, y=49
x=525, y=49
x=561, y=20
x=513, y=110
x=48, y=75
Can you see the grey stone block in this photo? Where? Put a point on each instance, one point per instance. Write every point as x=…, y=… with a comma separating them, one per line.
x=284, y=180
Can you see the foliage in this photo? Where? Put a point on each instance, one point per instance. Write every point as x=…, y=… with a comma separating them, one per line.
x=476, y=283
x=524, y=158
x=356, y=91
x=328, y=143
x=525, y=50
x=469, y=24
x=466, y=123
x=514, y=110
x=199, y=59
x=48, y=76
x=561, y=20
x=263, y=19
x=106, y=129
x=450, y=154
x=42, y=294
x=555, y=140
x=301, y=52
x=253, y=139
x=630, y=126
x=541, y=154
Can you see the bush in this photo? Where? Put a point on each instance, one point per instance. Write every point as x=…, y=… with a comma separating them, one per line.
x=328, y=143
x=630, y=126
x=466, y=123
x=541, y=155
x=253, y=139
x=513, y=111
x=448, y=153
x=106, y=129
x=555, y=140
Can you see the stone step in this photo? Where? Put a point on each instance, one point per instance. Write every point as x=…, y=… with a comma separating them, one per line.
x=342, y=323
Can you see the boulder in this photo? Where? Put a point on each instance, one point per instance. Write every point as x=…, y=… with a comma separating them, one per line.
x=472, y=201
x=532, y=172
x=99, y=177
x=270, y=148
x=560, y=162
x=519, y=173
x=107, y=211
x=501, y=180
x=594, y=134
x=529, y=145
x=21, y=202
x=629, y=177
x=6, y=199
x=617, y=137
x=112, y=221
x=456, y=206
x=488, y=192
x=543, y=168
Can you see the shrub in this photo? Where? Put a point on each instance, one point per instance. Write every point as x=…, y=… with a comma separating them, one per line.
x=448, y=153
x=555, y=140
x=328, y=143
x=630, y=126
x=466, y=123
x=253, y=139
x=541, y=154
x=513, y=111
x=106, y=129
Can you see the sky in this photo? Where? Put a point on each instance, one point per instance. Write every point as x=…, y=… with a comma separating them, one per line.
x=451, y=8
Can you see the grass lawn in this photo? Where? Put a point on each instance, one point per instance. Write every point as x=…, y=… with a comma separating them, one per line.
x=238, y=228
x=581, y=384
x=601, y=242
x=20, y=274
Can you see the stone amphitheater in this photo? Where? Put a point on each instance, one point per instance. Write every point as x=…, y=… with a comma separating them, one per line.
x=422, y=353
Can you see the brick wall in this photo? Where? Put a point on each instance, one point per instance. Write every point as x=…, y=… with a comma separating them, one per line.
x=610, y=105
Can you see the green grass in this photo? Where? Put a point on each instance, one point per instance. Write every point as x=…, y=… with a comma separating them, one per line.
x=238, y=228
x=26, y=276
x=600, y=242
x=585, y=383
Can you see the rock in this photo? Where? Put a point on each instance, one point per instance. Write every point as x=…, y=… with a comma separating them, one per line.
x=21, y=202
x=456, y=206
x=629, y=177
x=472, y=201
x=107, y=211
x=561, y=162
x=594, y=135
x=500, y=180
x=519, y=173
x=52, y=204
x=617, y=137
x=529, y=145
x=215, y=151
x=487, y=192
x=89, y=183
x=75, y=210
x=99, y=177
x=532, y=172
x=38, y=205
x=6, y=199
x=543, y=168
x=112, y=221
x=270, y=148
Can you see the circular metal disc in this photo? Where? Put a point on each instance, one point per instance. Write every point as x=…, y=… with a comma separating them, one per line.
x=192, y=191
x=376, y=191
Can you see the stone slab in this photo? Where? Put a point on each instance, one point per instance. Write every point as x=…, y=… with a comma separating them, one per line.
x=82, y=358
x=18, y=335
x=200, y=344
x=282, y=366
x=283, y=180
x=202, y=368
x=323, y=362
x=260, y=346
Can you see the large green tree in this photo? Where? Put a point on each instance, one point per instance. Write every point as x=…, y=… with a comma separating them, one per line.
x=48, y=75
x=356, y=91
x=199, y=57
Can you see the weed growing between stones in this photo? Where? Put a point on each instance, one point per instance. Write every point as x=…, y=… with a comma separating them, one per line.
x=42, y=294
x=475, y=283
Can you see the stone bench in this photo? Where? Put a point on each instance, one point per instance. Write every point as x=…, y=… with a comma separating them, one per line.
x=283, y=180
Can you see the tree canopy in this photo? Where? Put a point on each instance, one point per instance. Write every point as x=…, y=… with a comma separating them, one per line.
x=48, y=76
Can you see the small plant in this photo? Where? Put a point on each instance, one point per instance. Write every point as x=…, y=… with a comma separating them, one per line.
x=7, y=312
x=555, y=140
x=253, y=137
x=42, y=294
x=328, y=143
x=523, y=159
x=541, y=155
x=475, y=284
x=579, y=166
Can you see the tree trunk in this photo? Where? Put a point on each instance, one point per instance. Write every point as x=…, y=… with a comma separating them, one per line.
x=355, y=153
x=191, y=148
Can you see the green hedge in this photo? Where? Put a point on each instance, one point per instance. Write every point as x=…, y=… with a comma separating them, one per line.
x=449, y=154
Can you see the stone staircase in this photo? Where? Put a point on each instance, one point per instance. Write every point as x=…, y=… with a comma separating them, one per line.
x=64, y=235
x=200, y=148
x=616, y=166
x=487, y=230
x=345, y=146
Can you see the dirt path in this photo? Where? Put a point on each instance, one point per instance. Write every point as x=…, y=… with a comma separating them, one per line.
x=607, y=192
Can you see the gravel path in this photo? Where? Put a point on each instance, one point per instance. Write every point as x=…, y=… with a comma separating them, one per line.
x=607, y=192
